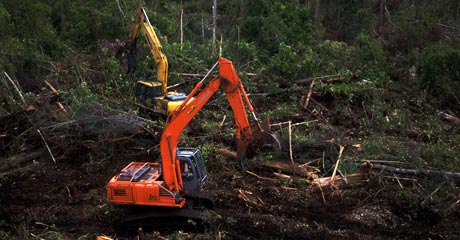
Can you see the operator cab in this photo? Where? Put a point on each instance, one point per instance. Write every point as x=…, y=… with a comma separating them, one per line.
x=149, y=94
x=147, y=90
x=194, y=173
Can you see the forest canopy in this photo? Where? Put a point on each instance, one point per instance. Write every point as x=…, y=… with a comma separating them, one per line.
x=284, y=37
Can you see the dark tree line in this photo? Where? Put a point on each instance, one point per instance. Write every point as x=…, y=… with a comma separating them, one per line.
x=289, y=39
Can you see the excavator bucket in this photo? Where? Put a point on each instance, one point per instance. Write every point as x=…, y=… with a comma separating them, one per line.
x=263, y=139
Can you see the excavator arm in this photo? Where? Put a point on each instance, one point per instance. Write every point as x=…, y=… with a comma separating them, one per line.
x=231, y=84
x=142, y=23
x=163, y=183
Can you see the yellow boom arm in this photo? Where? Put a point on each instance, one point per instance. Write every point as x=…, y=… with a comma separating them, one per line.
x=142, y=22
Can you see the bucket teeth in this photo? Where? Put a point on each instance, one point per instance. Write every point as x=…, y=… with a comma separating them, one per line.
x=262, y=137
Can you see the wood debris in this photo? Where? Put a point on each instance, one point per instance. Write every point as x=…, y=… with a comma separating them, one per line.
x=226, y=152
x=103, y=237
x=56, y=93
x=310, y=90
x=262, y=178
x=451, y=117
x=355, y=179
x=301, y=170
x=250, y=198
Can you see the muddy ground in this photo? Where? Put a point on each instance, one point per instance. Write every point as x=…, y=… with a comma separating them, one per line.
x=65, y=199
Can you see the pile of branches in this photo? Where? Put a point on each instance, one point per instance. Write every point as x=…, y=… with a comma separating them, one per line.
x=41, y=126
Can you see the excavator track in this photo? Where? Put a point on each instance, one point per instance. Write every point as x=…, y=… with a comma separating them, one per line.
x=193, y=217
x=164, y=220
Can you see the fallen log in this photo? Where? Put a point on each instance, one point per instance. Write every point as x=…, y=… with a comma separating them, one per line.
x=415, y=171
x=375, y=161
x=19, y=159
x=319, y=104
x=324, y=79
x=383, y=165
x=450, y=117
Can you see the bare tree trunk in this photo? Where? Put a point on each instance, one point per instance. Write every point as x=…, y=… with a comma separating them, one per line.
x=382, y=12
x=181, y=26
x=214, y=20
x=119, y=8
x=156, y=4
x=238, y=41
x=338, y=16
x=458, y=11
x=317, y=24
x=202, y=27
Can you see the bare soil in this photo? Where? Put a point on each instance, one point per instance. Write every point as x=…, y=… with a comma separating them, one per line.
x=66, y=199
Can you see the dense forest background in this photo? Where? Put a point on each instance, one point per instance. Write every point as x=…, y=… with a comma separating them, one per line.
x=380, y=78
x=377, y=40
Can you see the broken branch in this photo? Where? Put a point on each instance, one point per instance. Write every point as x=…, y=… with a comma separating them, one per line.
x=337, y=163
x=55, y=92
x=263, y=178
x=310, y=90
x=287, y=167
x=47, y=147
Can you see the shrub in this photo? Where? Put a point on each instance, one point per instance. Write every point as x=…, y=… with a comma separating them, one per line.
x=440, y=74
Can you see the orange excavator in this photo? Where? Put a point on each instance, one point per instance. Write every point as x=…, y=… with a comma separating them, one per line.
x=180, y=173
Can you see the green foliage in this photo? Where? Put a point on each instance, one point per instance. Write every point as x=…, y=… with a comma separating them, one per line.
x=443, y=155
x=231, y=220
x=117, y=84
x=292, y=63
x=369, y=58
x=440, y=74
x=81, y=97
x=366, y=59
x=244, y=54
x=186, y=57
x=345, y=20
x=28, y=33
x=81, y=25
x=165, y=24
x=269, y=25
x=3, y=226
x=7, y=54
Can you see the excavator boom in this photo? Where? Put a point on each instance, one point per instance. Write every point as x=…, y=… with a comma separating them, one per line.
x=181, y=173
x=231, y=84
x=142, y=24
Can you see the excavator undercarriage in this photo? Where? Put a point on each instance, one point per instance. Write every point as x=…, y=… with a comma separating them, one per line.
x=194, y=216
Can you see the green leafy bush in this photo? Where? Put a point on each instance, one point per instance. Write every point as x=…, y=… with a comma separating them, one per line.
x=440, y=74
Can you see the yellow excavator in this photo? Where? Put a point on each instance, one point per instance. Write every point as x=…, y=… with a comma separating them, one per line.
x=151, y=94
